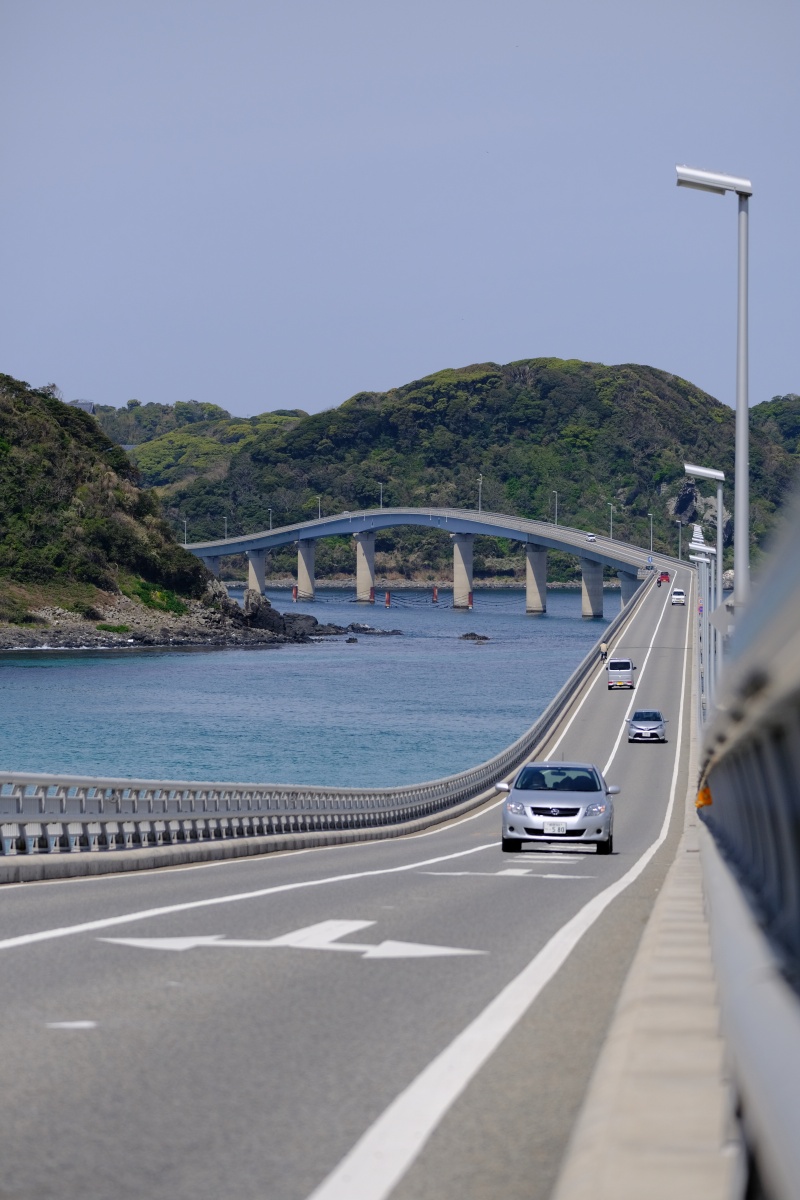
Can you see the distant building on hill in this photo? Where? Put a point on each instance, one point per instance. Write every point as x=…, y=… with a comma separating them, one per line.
x=86, y=405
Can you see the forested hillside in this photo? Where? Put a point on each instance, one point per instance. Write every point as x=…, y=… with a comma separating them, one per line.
x=71, y=512
x=599, y=436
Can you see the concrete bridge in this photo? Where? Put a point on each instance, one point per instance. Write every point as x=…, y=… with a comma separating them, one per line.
x=462, y=525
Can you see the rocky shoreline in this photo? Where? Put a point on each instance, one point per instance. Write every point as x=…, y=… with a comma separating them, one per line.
x=215, y=620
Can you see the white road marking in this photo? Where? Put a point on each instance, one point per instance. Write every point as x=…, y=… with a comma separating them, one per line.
x=383, y=1154
x=71, y=1025
x=47, y=935
x=322, y=936
x=507, y=871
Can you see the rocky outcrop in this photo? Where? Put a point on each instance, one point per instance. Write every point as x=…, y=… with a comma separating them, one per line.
x=258, y=613
x=691, y=508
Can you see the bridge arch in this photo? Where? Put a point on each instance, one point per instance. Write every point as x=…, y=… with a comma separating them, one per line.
x=594, y=551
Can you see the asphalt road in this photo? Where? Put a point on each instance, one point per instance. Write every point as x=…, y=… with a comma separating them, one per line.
x=417, y=1017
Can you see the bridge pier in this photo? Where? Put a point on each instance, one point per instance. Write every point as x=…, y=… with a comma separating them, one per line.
x=212, y=564
x=256, y=570
x=305, y=568
x=365, y=566
x=628, y=584
x=591, y=588
x=535, y=579
x=462, y=569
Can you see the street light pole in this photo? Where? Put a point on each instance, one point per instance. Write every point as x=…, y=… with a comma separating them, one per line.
x=184, y=531
x=611, y=522
x=319, y=507
x=708, y=181
x=650, y=515
x=226, y=529
x=480, y=489
x=680, y=531
x=380, y=485
x=269, y=510
x=555, y=493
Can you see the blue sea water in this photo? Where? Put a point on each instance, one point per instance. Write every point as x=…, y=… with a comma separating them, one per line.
x=388, y=710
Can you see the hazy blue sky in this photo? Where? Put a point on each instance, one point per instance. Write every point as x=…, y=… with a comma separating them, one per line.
x=277, y=204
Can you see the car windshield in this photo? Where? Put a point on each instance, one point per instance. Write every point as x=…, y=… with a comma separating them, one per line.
x=557, y=779
x=646, y=715
x=619, y=664
x=677, y=592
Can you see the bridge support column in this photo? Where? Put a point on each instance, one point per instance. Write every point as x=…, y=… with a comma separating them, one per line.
x=212, y=564
x=591, y=588
x=628, y=585
x=365, y=566
x=535, y=579
x=462, y=569
x=256, y=570
x=305, y=568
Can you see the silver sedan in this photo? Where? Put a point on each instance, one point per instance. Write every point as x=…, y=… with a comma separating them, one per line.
x=647, y=725
x=558, y=802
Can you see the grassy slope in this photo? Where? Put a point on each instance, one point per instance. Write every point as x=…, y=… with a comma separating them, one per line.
x=73, y=517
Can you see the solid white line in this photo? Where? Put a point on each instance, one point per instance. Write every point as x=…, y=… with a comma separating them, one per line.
x=383, y=1154
x=46, y=935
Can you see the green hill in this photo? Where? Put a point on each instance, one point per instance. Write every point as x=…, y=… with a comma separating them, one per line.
x=598, y=435
x=73, y=518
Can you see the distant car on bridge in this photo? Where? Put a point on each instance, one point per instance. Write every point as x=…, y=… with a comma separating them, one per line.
x=590, y=537
x=558, y=802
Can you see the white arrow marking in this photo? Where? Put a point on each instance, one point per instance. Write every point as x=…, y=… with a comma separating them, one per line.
x=322, y=936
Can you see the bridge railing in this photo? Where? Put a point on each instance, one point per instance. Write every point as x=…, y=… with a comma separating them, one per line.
x=65, y=813
x=749, y=801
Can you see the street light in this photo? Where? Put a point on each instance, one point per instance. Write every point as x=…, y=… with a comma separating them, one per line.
x=380, y=485
x=319, y=507
x=226, y=528
x=480, y=489
x=269, y=510
x=650, y=515
x=680, y=532
x=184, y=531
x=708, y=181
x=555, y=493
x=611, y=522
x=719, y=479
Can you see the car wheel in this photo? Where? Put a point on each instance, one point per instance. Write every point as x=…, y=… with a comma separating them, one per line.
x=607, y=846
x=511, y=845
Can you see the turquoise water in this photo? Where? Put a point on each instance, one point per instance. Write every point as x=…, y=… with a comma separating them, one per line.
x=385, y=711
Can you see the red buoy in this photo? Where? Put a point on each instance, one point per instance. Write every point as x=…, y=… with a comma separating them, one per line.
x=372, y=595
x=388, y=599
x=469, y=600
x=294, y=594
x=435, y=594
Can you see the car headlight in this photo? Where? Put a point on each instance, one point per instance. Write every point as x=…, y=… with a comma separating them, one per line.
x=514, y=806
x=595, y=810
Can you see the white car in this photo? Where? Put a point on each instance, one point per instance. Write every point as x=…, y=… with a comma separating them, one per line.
x=678, y=596
x=590, y=537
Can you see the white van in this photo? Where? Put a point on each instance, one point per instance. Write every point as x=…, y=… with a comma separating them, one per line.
x=678, y=596
x=620, y=673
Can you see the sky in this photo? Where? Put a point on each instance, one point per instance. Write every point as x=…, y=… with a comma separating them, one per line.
x=279, y=203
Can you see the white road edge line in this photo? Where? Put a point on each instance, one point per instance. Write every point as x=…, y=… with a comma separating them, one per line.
x=384, y=1153
x=46, y=935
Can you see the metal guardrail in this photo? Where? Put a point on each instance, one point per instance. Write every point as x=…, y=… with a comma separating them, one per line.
x=69, y=813
x=749, y=801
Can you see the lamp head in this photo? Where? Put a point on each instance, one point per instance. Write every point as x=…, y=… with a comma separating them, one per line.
x=712, y=181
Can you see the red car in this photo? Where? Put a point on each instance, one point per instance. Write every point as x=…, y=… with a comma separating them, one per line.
x=663, y=578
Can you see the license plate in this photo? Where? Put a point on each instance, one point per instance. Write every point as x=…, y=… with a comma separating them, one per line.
x=555, y=827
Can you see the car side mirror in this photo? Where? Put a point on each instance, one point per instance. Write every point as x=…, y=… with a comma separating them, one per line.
x=613, y=790
x=502, y=787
